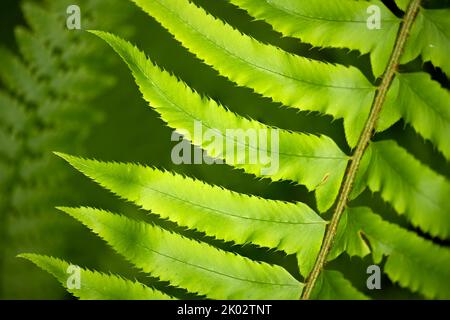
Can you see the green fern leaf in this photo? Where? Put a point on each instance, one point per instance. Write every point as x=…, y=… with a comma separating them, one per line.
x=95, y=285
x=227, y=215
x=328, y=23
x=412, y=188
x=18, y=78
x=333, y=286
x=402, y=4
x=430, y=38
x=46, y=24
x=182, y=261
x=314, y=161
x=423, y=104
x=412, y=261
x=37, y=55
x=292, y=80
x=13, y=116
x=345, y=241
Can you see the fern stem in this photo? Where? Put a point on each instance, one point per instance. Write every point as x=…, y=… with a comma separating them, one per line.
x=363, y=143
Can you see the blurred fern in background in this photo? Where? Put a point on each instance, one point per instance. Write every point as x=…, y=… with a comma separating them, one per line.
x=49, y=99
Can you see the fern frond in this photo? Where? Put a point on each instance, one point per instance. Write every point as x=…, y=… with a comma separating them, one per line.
x=18, y=78
x=38, y=56
x=314, y=161
x=84, y=84
x=182, y=261
x=329, y=23
x=412, y=261
x=12, y=113
x=54, y=112
x=412, y=188
x=333, y=286
x=226, y=215
x=430, y=38
x=423, y=104
x=292, y=80
x=45, y=23
x=345, y=241
x=95, y=285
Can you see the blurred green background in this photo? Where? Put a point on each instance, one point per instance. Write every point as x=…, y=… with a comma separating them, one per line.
x=131, y=131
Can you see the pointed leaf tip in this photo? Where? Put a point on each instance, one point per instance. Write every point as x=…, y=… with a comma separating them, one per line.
x=27, y=256
x=62, y=155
